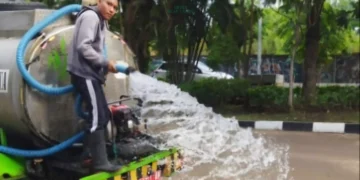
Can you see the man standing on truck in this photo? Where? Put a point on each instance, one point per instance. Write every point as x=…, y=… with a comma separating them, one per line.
x=88, y=68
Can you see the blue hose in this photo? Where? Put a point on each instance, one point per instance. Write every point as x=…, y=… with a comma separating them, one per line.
x=28, y=37
x=44, y=152
x=46, y=89
x=25, y=41
x=78, y=108
x=40, y=87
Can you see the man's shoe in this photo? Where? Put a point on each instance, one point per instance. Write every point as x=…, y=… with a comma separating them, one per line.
x=98, y=152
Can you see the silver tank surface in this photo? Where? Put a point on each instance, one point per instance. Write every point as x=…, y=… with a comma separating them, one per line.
x=32, y=114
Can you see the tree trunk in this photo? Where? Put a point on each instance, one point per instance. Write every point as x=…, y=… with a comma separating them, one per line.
x=246, y=64
x=248, y=39
x=243, y=61
x=291, y=79
x=136, y=37
x=143, y=56
x=293, y=55
x=250, y=30
x=311, y=53
x=130, y=28
x=172, y=50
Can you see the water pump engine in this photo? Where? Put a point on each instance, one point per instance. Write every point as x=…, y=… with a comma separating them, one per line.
x=124, y=120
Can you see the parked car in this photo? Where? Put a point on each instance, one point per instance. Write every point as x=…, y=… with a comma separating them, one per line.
x=201, y=71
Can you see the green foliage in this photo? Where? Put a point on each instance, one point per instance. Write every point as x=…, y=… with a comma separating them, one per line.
x=273, y=37
x=162, y=79
x=222, y=13
x=58, y=4
x=57, y=60
x=330, y=97
x=216, y=92
x=148, y=24
x=268, y=95
x=223, y=51
x=235, y=22
x=356, y=10
x=116, y=23
x=339, y=97
x=336, y=37
x=178, y=32
x=337, y=29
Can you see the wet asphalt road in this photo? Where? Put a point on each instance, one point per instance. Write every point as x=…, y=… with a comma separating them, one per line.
x=320, y=156
x=312, y=156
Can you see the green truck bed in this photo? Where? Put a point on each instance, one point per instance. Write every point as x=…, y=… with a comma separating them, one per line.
x=163, y=163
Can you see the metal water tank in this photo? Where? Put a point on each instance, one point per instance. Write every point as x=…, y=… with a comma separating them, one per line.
x=15, y=5
x=31, y=114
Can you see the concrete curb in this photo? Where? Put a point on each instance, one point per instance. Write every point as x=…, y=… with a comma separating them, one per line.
x=329, y=127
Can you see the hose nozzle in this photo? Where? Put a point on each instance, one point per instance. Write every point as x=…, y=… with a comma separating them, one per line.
x=123, y=68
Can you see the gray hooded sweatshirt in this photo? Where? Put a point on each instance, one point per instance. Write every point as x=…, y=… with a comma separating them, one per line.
x=86, y=51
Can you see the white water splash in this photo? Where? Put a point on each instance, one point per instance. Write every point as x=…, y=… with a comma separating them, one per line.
x=214, y=147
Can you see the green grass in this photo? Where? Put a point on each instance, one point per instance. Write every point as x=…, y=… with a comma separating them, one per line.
x=300, y=116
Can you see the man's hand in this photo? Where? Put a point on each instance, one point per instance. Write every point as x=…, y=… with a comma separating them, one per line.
x=130, y=70
x=112, y=67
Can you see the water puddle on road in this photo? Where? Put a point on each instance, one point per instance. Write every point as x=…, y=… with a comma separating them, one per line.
x=214, y=147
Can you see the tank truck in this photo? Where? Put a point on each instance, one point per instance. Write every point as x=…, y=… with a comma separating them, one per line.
x=41, y=118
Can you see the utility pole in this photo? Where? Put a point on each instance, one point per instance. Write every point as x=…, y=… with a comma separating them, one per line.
x=259, y=47
x=259, y=43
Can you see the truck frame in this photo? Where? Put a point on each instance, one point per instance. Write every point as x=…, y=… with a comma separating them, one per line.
x=153, y=167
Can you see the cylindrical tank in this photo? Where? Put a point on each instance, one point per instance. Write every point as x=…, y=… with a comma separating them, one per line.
x=41, y=117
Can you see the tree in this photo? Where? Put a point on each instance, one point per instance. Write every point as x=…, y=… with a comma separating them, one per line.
x=185, y=32
x=223, y=50
x=291, y=28
x=294, y=15
x=137, y=28
x=249, y=14
x=272, y=40
x=173, y=27
x=325, y=35
x=278, y=31
x=312, y=49
x=237, y=21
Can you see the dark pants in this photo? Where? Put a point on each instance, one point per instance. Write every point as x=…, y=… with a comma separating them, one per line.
x=93, y=96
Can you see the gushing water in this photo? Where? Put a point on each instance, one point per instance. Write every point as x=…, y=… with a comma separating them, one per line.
x=214, y=147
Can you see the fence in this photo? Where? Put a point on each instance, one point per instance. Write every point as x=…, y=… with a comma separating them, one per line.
x=344, y=69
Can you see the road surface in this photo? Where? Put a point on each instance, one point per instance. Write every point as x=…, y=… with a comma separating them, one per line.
x=320, y=156
x=312, y=156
